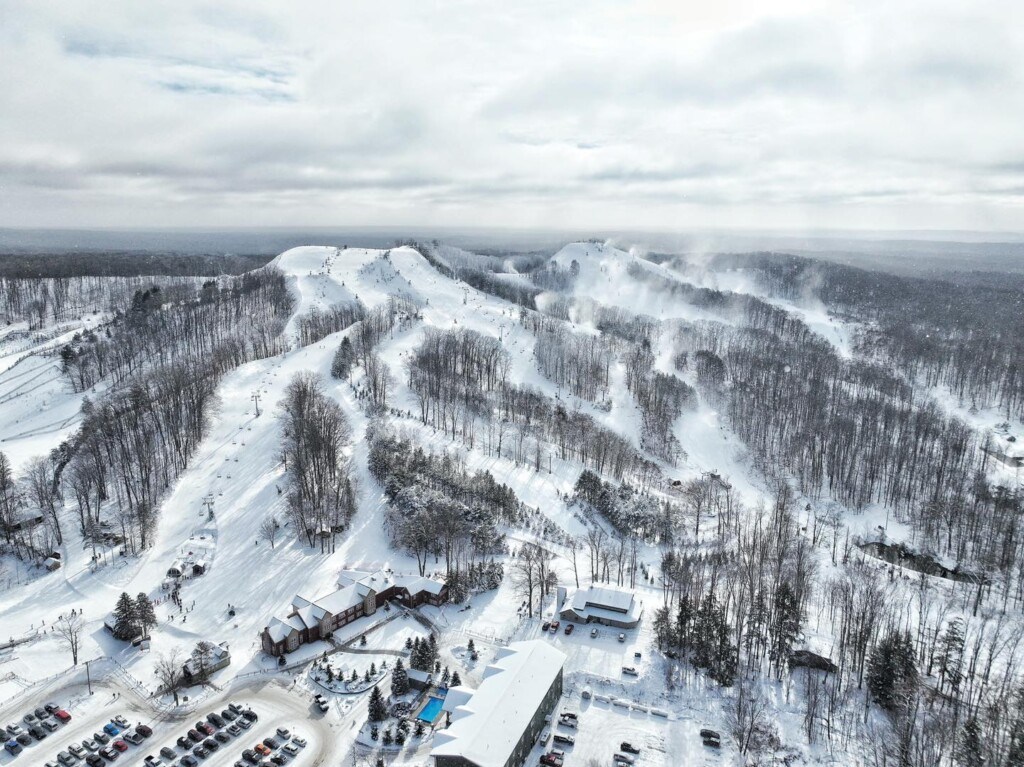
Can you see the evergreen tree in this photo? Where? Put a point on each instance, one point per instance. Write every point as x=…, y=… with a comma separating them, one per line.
x=892, y=673
x=354, y=677
x=145, y=613
x=471, y=646
x=408, y=643
x=373, y=669
x=445, y=677
x=418, y=731
x=126, y=619
x=969, y=748
x=399, y=737
x=386, y=738
x=951, y=650
x=456, y=679
x=374, y=732
x=399, y=679
x=377, y=709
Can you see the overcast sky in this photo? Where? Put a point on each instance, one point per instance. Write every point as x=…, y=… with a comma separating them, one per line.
x=651, y=114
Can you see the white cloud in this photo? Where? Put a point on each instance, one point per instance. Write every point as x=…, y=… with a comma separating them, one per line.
x=604, y=114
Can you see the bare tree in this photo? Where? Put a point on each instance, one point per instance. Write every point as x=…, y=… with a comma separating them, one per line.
x=170, y=672
x=69, y=629
x=268, y=530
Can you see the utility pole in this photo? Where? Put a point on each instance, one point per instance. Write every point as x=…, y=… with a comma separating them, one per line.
x=88, y=676
x=256, y=398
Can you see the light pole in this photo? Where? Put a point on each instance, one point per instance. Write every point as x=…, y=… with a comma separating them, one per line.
x=256, y=398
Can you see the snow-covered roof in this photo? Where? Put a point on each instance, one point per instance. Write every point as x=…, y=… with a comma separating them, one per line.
x=603, y=597
x=280, y=628
x=419, y=676
x=415, y=584
x=487, y=723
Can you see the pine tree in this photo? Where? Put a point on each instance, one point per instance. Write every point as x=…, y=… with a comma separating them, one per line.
x=377, y=709
x=386, y=738
x=471, y=646
x=374, y=732
x=445, y=677
x=399, y=737
x=892, y=674
x=969, y=748
x=373, y=669
x=354, y=677
x=456, y=679
x=408, y=643
x=145, y=613
x=399, y=680
x=366, y=675
x=126, y=619
x=418, y=731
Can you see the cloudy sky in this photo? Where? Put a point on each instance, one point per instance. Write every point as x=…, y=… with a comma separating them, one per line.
x=659, y=114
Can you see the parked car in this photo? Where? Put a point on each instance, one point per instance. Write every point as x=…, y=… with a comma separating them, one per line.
x=629, y=670
x=244, y=723
x=201, y=751
x=565, y=740
x=545, y=625
x=66, y=758
x=250, y=756
x=624, y=759
x=206, y=728
x=228, y=715
x=210, y=744
x=101, y=738
x=30, y=719
x=184, y=741
x=144, y=730
x=323, y=705
x=593, y=633
x=50, y=707
x=13, y=747
x=77, y=750
x=628, y=747
x=270, y=743
x=152, y=761
x=569, y=628
x=279, y=759
x=94, y=760
x=189, y=761
x=195, y=736
x=108, y=753
x=120, y=745
x=705, y=733
x=291, y=748
x=550, y=760
x=24, y=739
x=261, y=749
x=222, y=737
x=234, y=730
x=554, y=626
x=133, y=737
x=91, y=745
x=41, y=713
x=569, y=715
x=168, y=753
x=121, y=722
x=284, y=733
x=14, y=730
x=62, y=715
x=300, y=742
x=215, y=719
x=570, y=723
x=235, y=707
x=111, y=729
x=622, y=637
x=250, y=715
x=50, y=725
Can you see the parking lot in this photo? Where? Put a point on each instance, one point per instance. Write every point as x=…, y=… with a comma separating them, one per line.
x=274, y=707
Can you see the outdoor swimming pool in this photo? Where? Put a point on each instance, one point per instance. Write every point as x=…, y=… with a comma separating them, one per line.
x=431, y=711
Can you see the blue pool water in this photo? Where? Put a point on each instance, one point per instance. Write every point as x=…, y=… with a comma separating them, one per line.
x=431, y=711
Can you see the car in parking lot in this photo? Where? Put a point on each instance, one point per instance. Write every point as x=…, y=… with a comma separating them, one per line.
x=279, y=759
x=77, y=750
x=284, y=733
x=121, y=722
x=94, y=760
x=270, y=743
x=66, y=758
x=195, y=736
x=568, y=722
x=237, y=708
x=215, y=719
x=291, y=748
x=201, y=751
x=184, y=741
x=250, y=715
x=14, y=730
x=120, y=745
x=206, y=727
x=545, y=625
x=262, y=749
x=144, y=730
x=111, y=729
x=250, y=756
x=211, y=744
x=50, y=707
x=233, y=730
x=24, y=739
x=13, y=747
x=133, y=737
x=189, y=761
x=228, y=715
x=222, y=737
x=569, y=627
x=566, y=740
x=50, y=725
x=62, y=715
x=555, y=626
x=628, y=747
x=108, y=753
x=622, y=637
x=629, y=670
x=101, y=737
x=37, y=732
x=551, y=760
x=168, y=753
x=91, y=745
x=301, y=742
x=30, y=719
x=244, y=723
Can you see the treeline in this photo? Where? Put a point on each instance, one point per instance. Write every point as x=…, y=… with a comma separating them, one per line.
x=236, y=321
x=436, y=507
x=70, y=264
x=319, y=323
x=967, y=335
x=315, y=433
x=459, y=378
x=580, y=363
x=661, y=397
x=482, y=280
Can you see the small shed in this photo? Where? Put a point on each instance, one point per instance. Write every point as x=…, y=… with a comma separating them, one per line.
x=51, y=564
x=419, y=680
x=177, y=569
x=199, y=567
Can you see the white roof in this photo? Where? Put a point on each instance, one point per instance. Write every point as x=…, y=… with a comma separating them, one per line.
x=602, y=597
x=487, y=724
